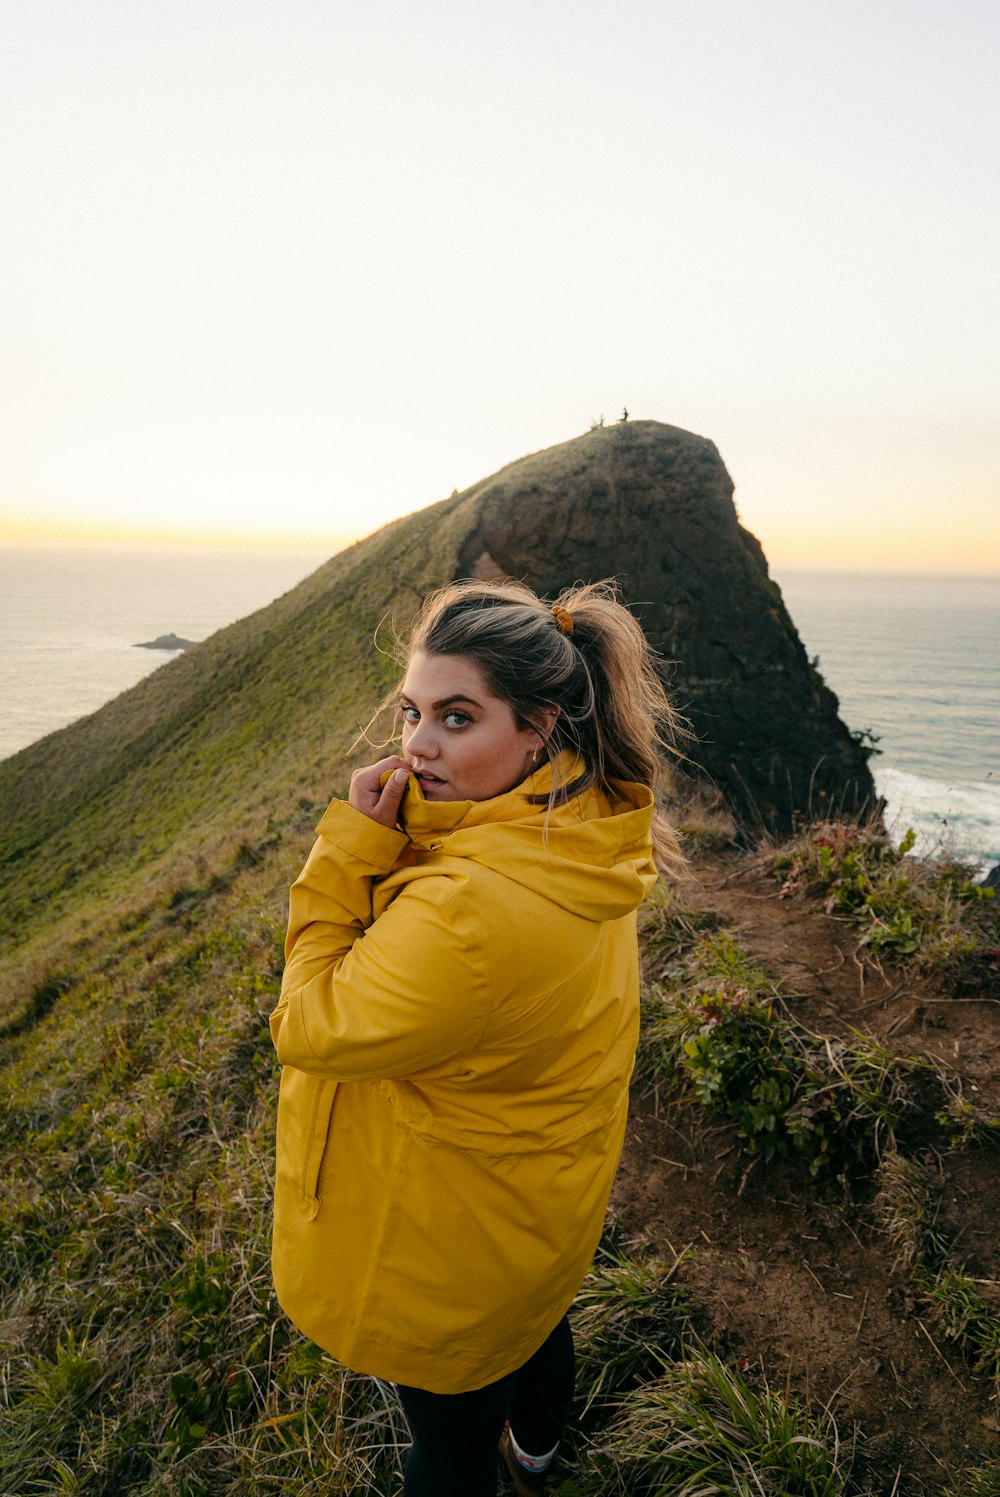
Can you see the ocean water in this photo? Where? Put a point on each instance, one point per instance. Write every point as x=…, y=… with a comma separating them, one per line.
x=913, y=659
x=72, y=616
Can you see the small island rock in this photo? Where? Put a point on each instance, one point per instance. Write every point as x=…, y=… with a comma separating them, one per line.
x=165, y=642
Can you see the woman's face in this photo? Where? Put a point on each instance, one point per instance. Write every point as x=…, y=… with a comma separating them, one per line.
x=461, y=741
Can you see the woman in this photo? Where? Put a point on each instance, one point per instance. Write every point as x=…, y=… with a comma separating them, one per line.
x=458, y=1019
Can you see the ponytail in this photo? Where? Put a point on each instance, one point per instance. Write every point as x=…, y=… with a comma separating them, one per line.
x=585, y=654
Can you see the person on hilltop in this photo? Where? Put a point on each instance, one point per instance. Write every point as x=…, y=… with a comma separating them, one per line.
x=458, y=1020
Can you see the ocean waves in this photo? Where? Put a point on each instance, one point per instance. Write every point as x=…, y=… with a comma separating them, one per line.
x=911, y=659
x=957, y=818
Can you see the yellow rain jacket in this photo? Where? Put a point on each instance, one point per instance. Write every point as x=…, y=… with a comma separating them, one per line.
x=457, y=1027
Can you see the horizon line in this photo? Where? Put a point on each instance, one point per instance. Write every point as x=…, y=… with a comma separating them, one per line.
x=159, y=535
x=43, y=534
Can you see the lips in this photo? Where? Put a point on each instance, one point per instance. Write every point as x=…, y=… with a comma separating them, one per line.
x=427, y=779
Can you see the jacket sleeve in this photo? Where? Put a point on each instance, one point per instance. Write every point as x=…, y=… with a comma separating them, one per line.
x=365, y=998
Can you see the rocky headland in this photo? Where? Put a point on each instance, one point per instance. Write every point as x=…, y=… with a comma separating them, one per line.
x=652, y=505
x=821, y=1219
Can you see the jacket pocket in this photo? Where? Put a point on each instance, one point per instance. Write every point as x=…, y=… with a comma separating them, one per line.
x=305, y=1111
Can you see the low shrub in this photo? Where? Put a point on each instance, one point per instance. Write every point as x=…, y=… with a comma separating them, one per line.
x=924, y=911
x=720, y=1024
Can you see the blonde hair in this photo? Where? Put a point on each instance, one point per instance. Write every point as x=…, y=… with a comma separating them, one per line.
x=585, y=654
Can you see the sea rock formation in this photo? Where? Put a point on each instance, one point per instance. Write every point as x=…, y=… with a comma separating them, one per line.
x=652, y=505
x=165, y=642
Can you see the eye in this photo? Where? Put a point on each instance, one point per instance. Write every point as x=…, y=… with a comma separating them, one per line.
x=456, y=719
x=410, y=715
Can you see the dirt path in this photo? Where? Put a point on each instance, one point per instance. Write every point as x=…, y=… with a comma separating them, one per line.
x=796, y=1277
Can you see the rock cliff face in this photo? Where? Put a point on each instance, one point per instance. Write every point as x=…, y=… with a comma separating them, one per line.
x=653, y=506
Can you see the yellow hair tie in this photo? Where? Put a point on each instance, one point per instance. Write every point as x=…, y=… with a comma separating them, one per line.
x=563, y=618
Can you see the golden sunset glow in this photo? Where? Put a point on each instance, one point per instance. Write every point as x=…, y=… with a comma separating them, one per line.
x=292, y=312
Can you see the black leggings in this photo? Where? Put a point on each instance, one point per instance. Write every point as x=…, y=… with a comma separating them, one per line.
x=455, y=1435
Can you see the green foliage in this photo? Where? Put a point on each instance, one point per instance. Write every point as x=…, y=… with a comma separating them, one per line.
x=904, y=1207
x=966, y=1317
x=69, y=1376
x=59, y=1398
x=200, y=1294
x=968, y=1122
x=982, y=1481
x=718, y=1023
x=704, y=1429
x=928, y=912
x=667, y=931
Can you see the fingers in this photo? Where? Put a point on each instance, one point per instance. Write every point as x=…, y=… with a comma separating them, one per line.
x=369, y=778
x=394, y=787
x=371, y=798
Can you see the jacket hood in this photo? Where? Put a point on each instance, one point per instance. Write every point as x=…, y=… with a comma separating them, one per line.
x=590, y=855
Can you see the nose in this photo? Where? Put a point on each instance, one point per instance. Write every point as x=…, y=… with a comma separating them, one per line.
x=419, y=741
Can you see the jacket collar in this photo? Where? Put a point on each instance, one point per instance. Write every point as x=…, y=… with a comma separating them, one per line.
x=421, y=818
x=589, y=854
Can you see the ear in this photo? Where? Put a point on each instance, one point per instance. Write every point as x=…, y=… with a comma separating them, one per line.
x=544, y=723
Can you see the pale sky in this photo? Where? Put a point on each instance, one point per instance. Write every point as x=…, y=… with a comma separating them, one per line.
x=294, y=268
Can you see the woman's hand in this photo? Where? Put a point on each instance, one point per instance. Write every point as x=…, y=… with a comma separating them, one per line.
x=368, y=796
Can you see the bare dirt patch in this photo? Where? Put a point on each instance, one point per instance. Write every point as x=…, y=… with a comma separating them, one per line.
x=796, y=1275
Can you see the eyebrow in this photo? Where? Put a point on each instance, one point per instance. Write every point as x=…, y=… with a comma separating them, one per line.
x=444, y=702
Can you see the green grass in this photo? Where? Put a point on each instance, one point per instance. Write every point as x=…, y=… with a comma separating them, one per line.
x=629, y=1314
x=981, y=1481
x=967, y=1318
x=905, y=1207
x=705, y=1429
x=134, y=1205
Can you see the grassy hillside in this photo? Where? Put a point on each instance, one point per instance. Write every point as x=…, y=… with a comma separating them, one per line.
x=805, y=1227
x=226, y=741
x=806, y=1233
x=235, y=733
x=228, y=738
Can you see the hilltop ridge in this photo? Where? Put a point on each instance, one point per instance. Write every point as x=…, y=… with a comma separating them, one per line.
x=242, y=728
